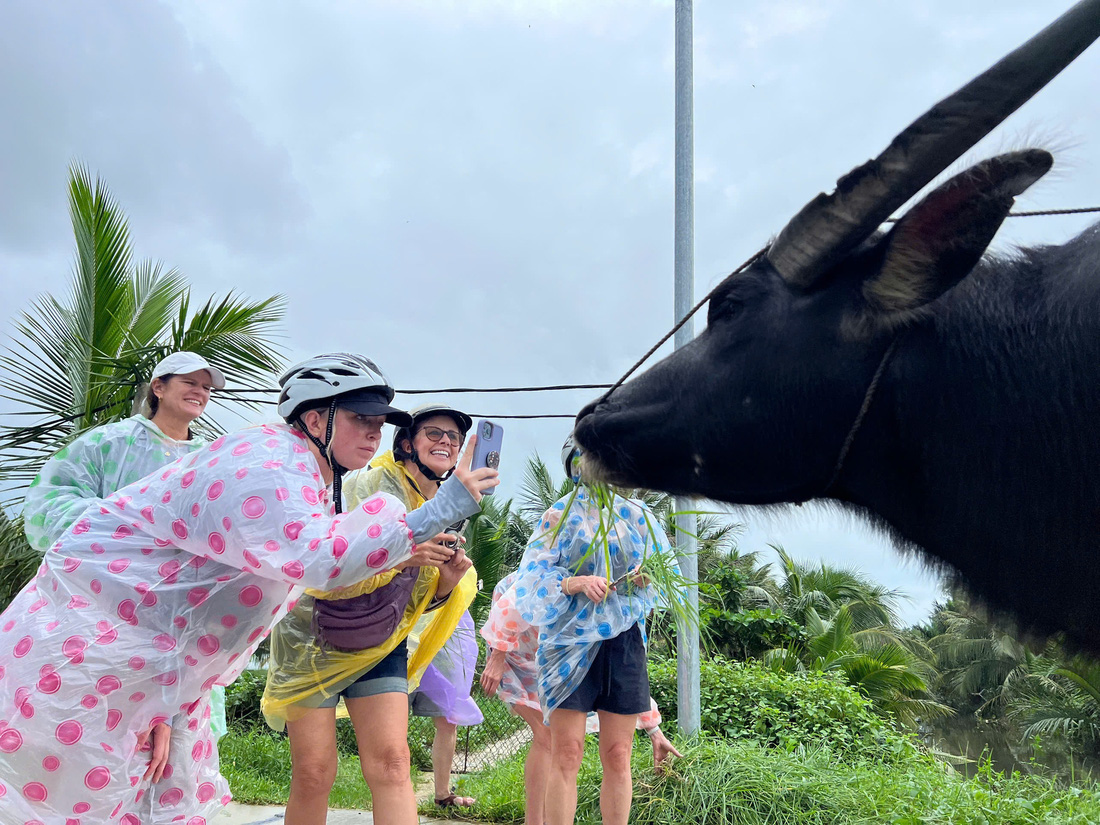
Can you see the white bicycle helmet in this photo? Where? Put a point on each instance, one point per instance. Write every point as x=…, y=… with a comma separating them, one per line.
x=316, y=381
x=570, y=452
x=336, y=379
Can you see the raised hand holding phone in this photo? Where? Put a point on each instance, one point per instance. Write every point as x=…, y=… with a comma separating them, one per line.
x=478, y=481
x=486, y=446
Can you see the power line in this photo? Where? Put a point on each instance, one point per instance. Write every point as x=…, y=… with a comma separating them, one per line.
x=547, y=388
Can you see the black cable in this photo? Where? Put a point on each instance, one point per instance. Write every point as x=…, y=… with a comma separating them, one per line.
x=548, y=388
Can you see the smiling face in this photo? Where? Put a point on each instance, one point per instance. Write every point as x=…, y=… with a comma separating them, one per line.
x=442, y=455
x=182, y=397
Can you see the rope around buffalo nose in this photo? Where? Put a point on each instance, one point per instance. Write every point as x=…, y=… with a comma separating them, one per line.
x=679, y=324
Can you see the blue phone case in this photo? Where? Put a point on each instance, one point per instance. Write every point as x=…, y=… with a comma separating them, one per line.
x=487, y=450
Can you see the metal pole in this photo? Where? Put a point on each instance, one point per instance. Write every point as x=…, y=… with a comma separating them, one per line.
x=687, y=638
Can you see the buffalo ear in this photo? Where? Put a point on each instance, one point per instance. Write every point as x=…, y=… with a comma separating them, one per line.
x=938, y=242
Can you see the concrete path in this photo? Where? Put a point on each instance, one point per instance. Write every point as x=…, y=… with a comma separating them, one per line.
x=236, y=814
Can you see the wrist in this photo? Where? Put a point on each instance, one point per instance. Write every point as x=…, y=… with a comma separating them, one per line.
x=564, y=585
x=653, y=731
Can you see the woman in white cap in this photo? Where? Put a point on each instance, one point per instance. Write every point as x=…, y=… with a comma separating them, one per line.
x=165, y=588
x=109, y=457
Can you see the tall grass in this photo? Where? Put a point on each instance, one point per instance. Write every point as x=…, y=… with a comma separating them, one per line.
x=729, y=783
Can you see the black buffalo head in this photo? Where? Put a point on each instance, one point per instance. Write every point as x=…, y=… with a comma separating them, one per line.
x=758, y=408
x=952, y=399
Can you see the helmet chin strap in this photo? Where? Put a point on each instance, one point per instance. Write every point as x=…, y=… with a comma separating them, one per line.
x=428, y=472
x=325, y=448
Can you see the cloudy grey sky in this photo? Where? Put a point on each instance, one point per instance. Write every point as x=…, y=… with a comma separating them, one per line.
x=479, y=192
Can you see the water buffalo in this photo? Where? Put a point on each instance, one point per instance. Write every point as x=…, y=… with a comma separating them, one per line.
x=953, y=399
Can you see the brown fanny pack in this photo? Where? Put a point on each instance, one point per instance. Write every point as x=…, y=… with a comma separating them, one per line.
x=365, y=621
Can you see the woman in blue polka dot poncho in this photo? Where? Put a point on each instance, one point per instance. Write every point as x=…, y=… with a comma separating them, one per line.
x=573, y=626
x=574, y=584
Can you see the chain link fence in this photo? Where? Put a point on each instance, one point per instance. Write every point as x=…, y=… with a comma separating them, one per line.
x=500, y=735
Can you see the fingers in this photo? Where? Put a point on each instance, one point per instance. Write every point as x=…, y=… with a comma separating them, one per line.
x=675, y=752
x=158, y=761
x=460, y=561
x=467, y=457
x=435, y=552
x=489, y=684
x=597, y=588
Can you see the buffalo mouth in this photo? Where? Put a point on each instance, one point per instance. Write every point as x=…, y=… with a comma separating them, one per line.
x=610, y=437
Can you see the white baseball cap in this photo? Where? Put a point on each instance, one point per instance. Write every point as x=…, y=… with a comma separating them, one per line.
x=181, y=363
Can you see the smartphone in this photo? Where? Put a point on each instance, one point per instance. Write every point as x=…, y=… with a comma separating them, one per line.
x=487, y=450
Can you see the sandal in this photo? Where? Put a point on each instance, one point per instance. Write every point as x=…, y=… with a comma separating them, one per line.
x=455, y=801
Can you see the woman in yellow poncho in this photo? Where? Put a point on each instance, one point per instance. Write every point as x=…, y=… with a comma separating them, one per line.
x=307, y=677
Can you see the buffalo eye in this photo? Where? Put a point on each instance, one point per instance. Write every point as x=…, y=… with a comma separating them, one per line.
x=724, y=308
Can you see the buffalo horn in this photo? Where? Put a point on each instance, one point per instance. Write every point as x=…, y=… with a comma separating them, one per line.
x=829, y=226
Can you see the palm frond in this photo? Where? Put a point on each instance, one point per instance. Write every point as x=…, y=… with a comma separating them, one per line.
x=18, y=562
x=74, y=364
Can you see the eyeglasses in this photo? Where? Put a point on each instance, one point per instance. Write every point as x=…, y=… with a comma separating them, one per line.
x=435, y=434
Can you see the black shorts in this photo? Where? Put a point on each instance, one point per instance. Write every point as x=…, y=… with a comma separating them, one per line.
x=618, y=681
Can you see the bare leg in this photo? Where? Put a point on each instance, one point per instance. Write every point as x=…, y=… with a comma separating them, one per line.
x=536, y=768
x=566, y=752
x=443, y=754
x=382, y=731
x=616, y=743
x=312, y=766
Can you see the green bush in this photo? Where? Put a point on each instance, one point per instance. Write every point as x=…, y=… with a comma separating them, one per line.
x=242, y=700
x=746, y=701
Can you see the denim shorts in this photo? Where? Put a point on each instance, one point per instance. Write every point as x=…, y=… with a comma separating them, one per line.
x=391, y=675
x=420, y=704
x=618, y=681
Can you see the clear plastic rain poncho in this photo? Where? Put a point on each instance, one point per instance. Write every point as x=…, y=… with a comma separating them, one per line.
x=93, y=466
x=571, y=628
x=90, y=468
x=301, y=668
x=505, y=630
x=152, y=597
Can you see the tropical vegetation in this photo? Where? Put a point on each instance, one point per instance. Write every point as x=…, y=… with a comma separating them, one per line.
x=77, y=361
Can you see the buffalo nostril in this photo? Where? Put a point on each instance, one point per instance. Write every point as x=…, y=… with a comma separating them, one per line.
x=587, y=409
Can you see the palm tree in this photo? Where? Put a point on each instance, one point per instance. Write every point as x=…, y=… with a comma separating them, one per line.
x=975, y=657
x=878, y=662
x=18, y=562
x=850, y=627
x=1058, y=698
x=825, y=588
x=487, y=545
x=78, y=362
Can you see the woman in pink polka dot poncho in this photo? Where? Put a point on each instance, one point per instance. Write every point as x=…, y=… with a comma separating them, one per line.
x=163, y=590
